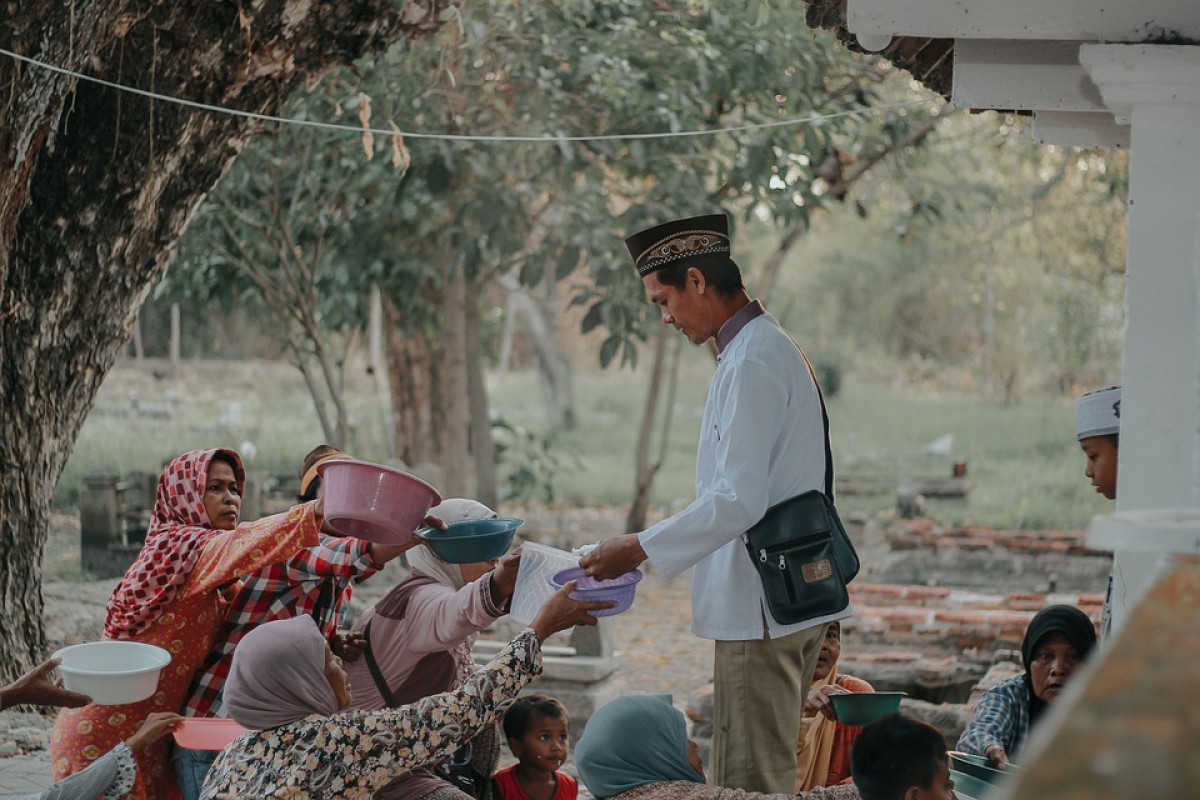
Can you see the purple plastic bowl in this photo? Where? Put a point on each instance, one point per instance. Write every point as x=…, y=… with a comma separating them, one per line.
x=620, y=588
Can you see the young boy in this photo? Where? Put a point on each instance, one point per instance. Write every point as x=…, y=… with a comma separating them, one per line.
x=1098, y=428
x=537, y=728
x=896, y=758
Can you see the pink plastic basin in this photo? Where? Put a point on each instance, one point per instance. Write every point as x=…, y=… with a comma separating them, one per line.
x=588, y=589
x=373, y=501
x=206, y=733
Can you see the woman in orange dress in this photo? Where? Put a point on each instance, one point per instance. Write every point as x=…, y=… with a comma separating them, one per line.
x=174, y=596
x=823, y=754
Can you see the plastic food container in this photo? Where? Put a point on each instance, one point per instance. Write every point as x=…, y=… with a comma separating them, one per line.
x=539, y=563
x=471, y=541
x=860, y=708
x=112, y=672
x=978, y=767
x=374, y=502
x=206, y=733
x=620, y=588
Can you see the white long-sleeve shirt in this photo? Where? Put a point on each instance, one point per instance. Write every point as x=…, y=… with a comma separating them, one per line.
x=762, y=442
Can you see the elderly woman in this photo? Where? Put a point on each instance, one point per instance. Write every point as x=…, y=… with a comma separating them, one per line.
x=314, y=581
x=174, y=596
x=420, y=636
x=287, y=687
x=823, y=754
x=636, y=748
x=1056, y=643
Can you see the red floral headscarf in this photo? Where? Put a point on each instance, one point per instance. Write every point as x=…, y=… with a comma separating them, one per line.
x=179, y=528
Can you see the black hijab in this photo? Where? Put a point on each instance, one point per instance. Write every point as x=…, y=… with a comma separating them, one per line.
x=1067, y=620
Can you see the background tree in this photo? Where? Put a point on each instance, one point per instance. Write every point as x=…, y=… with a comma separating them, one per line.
x=95, y=188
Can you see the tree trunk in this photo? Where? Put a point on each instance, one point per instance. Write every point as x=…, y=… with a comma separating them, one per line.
x=483, y=447
x=95, y=189
x=644, y=471
x=414, y=375
x=539, y=308
x=460, y=473
x=380, y=372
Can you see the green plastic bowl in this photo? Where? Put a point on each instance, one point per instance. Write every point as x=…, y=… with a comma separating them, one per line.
x=860, y=708
x=471, y=541
x=976, y=766
x=968, y=784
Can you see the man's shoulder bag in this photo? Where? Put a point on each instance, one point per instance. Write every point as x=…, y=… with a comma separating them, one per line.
x=801, y=550
x=804, y=558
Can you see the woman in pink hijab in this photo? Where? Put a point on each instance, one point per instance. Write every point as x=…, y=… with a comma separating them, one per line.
x=287, y=687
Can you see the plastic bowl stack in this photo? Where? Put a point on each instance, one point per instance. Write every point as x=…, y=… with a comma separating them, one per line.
x=471, y=541
x=588, y=589
x=374, y=502
x=112, y=673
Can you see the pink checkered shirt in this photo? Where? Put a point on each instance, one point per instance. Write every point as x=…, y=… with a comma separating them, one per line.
x=316, y=581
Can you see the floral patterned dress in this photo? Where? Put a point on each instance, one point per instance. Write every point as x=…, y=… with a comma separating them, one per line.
x=355, y=753
x=186, y=629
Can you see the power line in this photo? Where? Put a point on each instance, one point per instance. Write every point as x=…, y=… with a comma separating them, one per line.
x=814, y=119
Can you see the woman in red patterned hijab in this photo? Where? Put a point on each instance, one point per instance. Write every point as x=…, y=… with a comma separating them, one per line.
x=179, y=527
x=174, y=596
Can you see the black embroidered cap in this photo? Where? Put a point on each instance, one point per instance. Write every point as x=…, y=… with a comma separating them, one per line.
x=692, y=238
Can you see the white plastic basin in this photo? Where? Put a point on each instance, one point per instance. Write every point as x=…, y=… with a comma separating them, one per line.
x=112, y=672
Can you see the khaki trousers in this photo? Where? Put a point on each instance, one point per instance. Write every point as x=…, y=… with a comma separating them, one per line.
x=758, y=699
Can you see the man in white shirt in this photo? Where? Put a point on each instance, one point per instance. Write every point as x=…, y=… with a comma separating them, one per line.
x=762, y=442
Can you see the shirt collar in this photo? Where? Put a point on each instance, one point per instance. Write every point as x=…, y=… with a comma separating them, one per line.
x=733, y=326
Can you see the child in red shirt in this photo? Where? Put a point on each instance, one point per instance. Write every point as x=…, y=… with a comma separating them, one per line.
x=537, y=728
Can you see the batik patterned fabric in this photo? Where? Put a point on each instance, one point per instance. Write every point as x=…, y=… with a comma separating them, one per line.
x=355, y=753
x=185, y=625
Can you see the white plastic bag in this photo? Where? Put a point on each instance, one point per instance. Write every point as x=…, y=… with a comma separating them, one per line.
x=539, y=563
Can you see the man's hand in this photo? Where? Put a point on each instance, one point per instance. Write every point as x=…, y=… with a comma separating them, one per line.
x=35, y=688
x=614, y=557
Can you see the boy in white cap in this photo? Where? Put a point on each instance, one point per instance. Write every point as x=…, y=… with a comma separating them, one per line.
x=1098, y=428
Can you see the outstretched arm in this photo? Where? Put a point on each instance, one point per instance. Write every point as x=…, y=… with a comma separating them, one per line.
x=36, y=688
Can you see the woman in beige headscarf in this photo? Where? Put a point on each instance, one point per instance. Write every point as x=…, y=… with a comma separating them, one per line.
x=823, y=752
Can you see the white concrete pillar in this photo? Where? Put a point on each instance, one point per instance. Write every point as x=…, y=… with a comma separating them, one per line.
x=1156, y=90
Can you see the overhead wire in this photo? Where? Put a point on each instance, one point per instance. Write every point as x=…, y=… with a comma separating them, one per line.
x=815, y=118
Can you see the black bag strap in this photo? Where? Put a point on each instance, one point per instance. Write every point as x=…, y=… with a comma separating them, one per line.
x=825, y=422
x=385, y=691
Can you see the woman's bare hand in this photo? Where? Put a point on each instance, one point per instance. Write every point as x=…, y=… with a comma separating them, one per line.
x=36, y=688
x=818, y=701
x=997, y=756
x=560, y=612
x=504, y=577
x=154, y=728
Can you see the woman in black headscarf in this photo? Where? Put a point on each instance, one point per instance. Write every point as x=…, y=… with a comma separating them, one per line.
x=1056, y=643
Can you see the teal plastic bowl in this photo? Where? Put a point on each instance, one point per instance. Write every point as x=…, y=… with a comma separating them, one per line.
x=969, y=785
x=471, y=541
x=977, y=767
x=860, y=708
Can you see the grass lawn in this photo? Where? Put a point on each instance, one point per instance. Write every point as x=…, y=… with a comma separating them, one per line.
x=1025, y=468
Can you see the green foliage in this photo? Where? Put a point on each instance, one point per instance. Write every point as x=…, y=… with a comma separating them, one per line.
x=529, y=463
